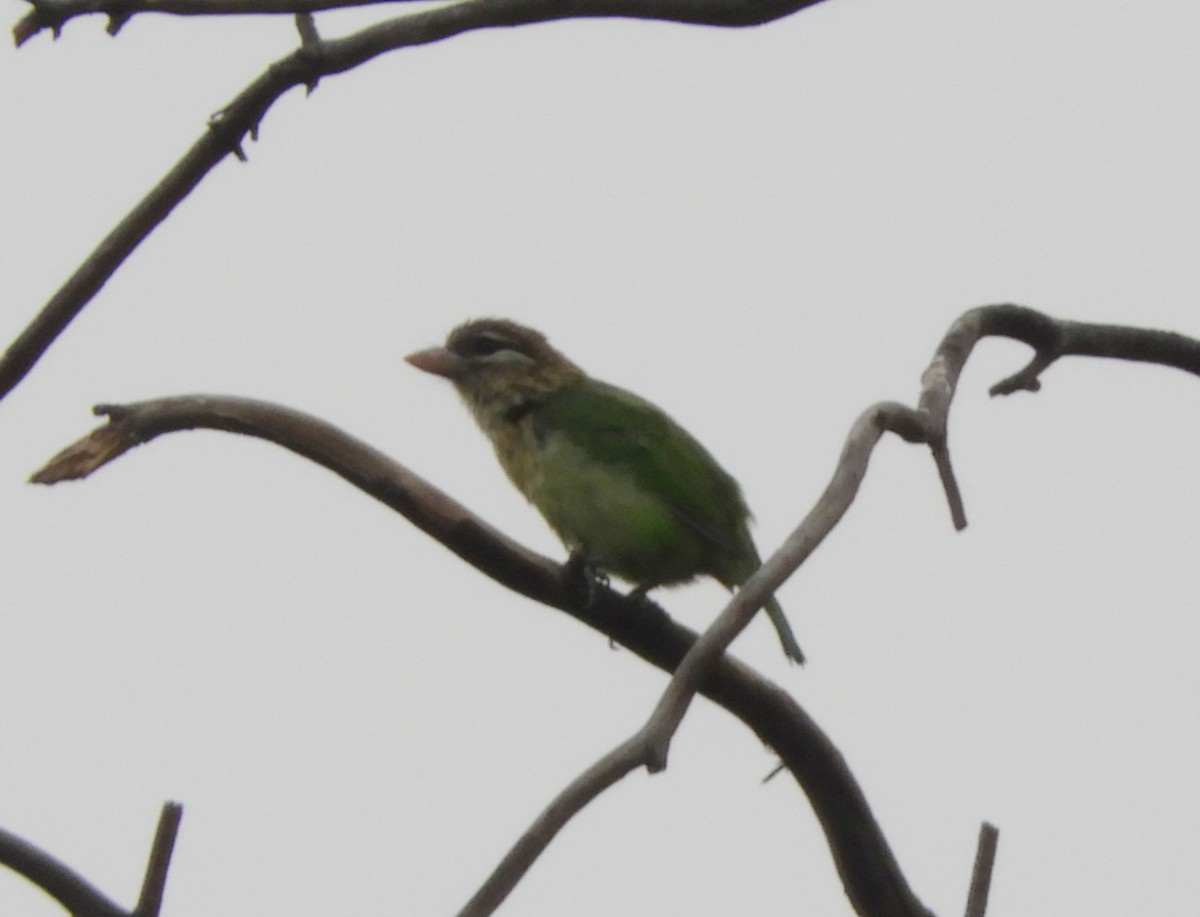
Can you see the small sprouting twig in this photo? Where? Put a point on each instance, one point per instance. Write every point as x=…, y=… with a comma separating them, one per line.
x=150, y=901
x=981, y=875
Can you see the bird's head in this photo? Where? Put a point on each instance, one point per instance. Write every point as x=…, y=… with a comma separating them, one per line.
x=498, y=365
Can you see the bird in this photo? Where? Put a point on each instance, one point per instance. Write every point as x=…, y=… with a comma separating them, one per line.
x=624, y=486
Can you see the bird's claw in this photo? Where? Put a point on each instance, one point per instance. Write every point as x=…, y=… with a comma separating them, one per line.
x=584, y=580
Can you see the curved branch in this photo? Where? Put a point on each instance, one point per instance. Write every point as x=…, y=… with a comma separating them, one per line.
x=55, y=878
x=869, y=872
x=75, y=893
x=54, y=14
x=862, y=856
x=1052, y=339
x=306, y=66
x=926, y=424
x=649, y=745
x=621, y=761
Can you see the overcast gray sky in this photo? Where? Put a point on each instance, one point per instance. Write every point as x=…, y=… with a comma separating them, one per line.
x=762, y=230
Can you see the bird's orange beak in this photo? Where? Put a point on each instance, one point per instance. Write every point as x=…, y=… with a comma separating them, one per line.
x=437, y=360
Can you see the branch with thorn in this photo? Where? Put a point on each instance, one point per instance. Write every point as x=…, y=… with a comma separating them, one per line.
x=315, y=59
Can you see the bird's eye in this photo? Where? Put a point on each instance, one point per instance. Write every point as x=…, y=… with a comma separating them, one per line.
x=482, y=345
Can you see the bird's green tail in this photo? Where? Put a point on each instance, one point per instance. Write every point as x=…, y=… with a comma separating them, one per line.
x=790, y=647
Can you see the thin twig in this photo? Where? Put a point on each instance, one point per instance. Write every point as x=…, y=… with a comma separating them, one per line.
x=622, y=760
x=150, y=901
x=981, y=875
x=75, y=893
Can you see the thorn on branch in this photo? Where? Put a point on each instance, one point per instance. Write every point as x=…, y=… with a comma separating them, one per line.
x=116, y=20
x=775, y=771
x=216, y=124
x=310, y=48
x=111, y=411
x=45, y=14
x=1027, y=379
x=25, y=29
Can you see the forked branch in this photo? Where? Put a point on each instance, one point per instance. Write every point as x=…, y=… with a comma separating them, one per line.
x=75, y=893
x=868, y=869
x=928, y=424
x=869, y=872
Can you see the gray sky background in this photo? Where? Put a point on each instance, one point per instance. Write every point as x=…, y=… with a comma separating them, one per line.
x=762, y=230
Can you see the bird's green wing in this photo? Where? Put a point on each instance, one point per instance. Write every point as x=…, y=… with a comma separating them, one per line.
x=621, y=430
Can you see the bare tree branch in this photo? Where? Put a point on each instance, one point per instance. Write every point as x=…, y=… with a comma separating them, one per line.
x=55, y=878
x=1051, y=339
x=74, y=892
x=981, y=876
x=861, y=854
x=622, y=760
x=316, y=58
x=150, y=901
x=873, y=882
x=927, y=424
x=54, y=14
